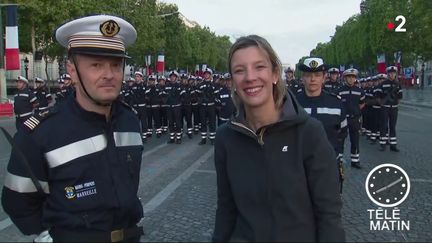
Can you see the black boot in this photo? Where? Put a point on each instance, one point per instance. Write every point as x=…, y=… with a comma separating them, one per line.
x=382, y=147
x=212, y=141
x=203, y=141
x=189, y=135
x=356, y=165
x=158, y=135
x=394, y=148
x=178, y=141
x=171, y=140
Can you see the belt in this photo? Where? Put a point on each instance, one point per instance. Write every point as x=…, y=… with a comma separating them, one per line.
x=66, y=235
x=155, y=106
x=207, y=104
x=194, y=104
x=141, y=105
x=391, y=106
x=23, y=115
x=176, y=105
x=376, y=106
x=43, y=108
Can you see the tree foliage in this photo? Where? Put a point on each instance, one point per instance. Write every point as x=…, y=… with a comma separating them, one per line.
x=159, y=28
x=363, y=36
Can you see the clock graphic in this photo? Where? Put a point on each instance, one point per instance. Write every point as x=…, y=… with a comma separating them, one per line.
x=387, y=185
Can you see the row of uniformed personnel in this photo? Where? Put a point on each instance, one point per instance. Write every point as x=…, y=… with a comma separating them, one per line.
x=369, y=102
x=28, y=100
x=164, y=104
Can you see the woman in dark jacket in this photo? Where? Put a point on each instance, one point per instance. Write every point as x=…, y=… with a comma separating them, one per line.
x=276, y=173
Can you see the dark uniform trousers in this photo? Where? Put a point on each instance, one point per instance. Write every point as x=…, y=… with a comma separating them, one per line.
x=174, y=121
x=186, y=115
x=164, y=117
x=196, y=117
x=389, y=119
x=353, y=128
x=208, y=116
x=374, y=121
x=142, y=116
x=154, y=120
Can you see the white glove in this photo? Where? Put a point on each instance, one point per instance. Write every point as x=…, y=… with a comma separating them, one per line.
x=43, y=237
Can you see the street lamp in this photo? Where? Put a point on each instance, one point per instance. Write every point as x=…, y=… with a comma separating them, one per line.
x=26, y=62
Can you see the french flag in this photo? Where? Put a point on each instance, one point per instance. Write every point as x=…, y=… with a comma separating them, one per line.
x=12, y=48
x=160, y=64
x=381, y=63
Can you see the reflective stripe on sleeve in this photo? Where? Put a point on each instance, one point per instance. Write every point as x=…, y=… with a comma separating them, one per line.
x=23, y=184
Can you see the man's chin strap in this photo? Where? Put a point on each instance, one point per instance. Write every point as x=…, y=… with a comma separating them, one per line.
x=82, y=84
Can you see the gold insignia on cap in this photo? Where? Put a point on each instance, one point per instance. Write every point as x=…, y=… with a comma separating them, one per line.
x=109, y=28
x=313, y=64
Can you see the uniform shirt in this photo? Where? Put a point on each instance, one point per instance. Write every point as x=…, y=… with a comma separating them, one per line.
x=152, y=96
x=224, y=101
x=332, y=87
x=194, y=95
x=390, y=92
x=43, y=97
x=23, y=102
x=293, y=85
x=163, y=95
x=173, y=94
x=352, y=97
x=186, y=94
x=89, y=174
x=328, y=109
x=208, y=92
x=138, y=95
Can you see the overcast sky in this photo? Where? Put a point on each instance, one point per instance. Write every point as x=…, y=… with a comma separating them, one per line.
x=293, y=27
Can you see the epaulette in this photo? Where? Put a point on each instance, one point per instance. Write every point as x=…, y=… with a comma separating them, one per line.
x=31, y=123
x=129, y=107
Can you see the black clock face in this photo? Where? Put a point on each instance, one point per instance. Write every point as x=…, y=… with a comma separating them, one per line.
x=387, y=185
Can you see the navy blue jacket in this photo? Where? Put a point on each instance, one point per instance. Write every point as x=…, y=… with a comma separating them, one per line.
x=279, y=183
x=89, y=173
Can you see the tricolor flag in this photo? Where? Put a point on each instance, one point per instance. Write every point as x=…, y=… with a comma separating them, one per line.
x=160, y=64
x=12, y=48
x=381, y=64
x=398, y=57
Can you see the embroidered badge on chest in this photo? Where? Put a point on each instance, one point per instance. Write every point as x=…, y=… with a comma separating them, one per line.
x=81, y=190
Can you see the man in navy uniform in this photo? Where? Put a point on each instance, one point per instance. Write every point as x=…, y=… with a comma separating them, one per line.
x=290, y=81
x=353, y=99
x=173, y=89
x=138, y=97
x=333, y=84
x=325, y=107
x=153, y=107
x=389, y=92
x=82, y=185
x=208, y=93
x=43, y=96
x=225, y=104
x=24, y=101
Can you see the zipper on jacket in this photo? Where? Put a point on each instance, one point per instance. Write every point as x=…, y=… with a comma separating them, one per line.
x=258, y=137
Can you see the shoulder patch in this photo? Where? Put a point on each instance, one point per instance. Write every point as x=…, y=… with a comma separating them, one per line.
x=129, y=107
x=31, y=123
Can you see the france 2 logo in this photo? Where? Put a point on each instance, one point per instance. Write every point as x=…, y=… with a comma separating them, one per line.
x=399, y=28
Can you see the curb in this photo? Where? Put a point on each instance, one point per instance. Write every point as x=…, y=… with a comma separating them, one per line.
x=407, y=103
